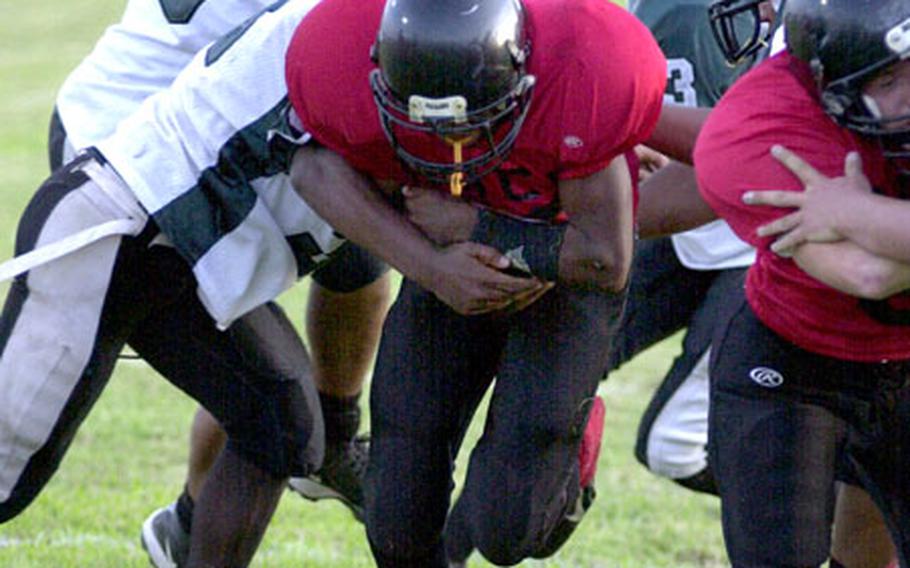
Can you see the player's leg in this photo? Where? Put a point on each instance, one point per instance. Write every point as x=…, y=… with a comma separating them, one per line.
x=774, y=445
x=165, y=533
x=662, y=296
x=881, y=456
x=523, y=493
x=348, y=301
x=673, y=432
x=255, y=378
x=432, y=369
x=207, y=439
x=860, y=538
x=61, y=329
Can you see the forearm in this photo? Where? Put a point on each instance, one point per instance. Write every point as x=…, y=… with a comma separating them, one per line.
x=597, y=248
x=357, y=210
x=557, y=252
x=676, y=131
x=599, y=260
x=880, y=225
x=847, y=267
x=669, y=202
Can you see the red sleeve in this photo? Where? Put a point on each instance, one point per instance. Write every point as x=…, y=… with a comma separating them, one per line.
x=611, y=90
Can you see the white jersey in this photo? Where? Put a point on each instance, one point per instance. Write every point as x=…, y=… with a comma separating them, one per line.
x=140, y=56
x=208, y=159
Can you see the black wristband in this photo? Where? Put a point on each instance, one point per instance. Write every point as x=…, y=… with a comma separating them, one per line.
x=531, y=246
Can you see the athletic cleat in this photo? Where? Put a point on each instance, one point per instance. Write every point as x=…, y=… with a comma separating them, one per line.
x=341, y=476
x=165, y=541
x=588, y=453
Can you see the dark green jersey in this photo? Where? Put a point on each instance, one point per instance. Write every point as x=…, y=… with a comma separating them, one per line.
x=697, y=73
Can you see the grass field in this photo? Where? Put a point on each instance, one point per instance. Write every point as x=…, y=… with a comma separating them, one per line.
x=129, y=456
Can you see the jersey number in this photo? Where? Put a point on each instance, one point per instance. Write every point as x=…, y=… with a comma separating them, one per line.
x=179, y=11
x=680, y=83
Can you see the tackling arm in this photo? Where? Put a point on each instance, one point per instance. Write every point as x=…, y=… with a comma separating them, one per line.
x=887, y=235
x=834, y=208
x=676, y=131
x=466, y=276
x=669, y=202
x=847, y=267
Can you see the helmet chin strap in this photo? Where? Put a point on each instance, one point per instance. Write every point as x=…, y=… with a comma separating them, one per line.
x=456, y=179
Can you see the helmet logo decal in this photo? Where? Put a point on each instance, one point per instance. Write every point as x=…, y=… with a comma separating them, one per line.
x=421, y=109
x=898, y=38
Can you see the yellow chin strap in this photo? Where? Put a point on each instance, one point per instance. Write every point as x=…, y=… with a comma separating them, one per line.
x=456, y=180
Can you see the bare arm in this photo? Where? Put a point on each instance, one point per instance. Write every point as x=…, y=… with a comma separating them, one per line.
x=816, y=234
x=676, y=131
x=466, y=276
x=879, y=224
x=845, y=266
x=669, y=202
x=597, y=249
x=831, y=209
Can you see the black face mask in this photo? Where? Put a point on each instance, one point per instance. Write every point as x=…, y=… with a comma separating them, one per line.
x=493, y=130
x=737, y=28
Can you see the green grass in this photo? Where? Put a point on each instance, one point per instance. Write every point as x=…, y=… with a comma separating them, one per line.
x=129, y=456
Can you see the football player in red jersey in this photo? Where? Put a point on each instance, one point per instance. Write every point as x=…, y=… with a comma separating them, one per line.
x=508, y=131
x=833, y=209
x=811, y=374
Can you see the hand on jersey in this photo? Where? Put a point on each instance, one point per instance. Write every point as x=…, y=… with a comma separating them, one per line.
x=470, y=279
x=819, y=208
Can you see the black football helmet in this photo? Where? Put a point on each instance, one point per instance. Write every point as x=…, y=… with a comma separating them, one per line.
x=738, y=28
x=454, y=69
x=846, y=43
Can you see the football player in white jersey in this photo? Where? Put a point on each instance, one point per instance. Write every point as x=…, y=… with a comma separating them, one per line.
x=173, y=235
x=135, y=58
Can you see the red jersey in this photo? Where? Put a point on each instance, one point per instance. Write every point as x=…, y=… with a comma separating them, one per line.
x=777, y=103
x=600, y=82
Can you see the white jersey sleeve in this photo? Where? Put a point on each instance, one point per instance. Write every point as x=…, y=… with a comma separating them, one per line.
x=208, y=159
x=139, y=56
